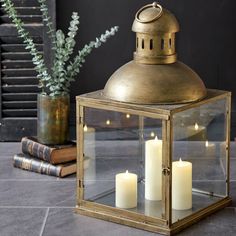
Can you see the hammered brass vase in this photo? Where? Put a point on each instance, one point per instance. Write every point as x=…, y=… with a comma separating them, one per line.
x=53, y=119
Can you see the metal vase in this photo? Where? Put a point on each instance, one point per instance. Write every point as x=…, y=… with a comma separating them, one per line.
x=53, y=119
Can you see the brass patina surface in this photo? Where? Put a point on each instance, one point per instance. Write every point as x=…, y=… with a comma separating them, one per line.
x=150, y=84
x=155, y=76
x=53, y=119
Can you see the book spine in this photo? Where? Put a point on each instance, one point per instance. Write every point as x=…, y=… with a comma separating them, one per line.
x=37, y=166
x=35, y=149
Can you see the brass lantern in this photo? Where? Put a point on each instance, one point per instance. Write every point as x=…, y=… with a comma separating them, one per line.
x=153, y=146
x=155, y=76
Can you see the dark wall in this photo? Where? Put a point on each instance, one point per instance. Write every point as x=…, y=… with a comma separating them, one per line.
x=206, y=42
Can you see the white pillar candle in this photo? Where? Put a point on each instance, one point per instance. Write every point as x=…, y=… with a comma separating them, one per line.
x=181, y=185
x=209, y=149
x=90, y=156
x=89, y=137
x=153, y=169
x=126, y=190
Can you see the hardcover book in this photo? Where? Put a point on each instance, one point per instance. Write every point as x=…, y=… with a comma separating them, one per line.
x=53, y=154
x=26, y=162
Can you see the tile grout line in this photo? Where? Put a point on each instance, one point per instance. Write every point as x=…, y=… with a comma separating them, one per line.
x=38, y=180
x=66, y=199
x=44, y=222
x=51, y=208
x=67, y=181
x=37, y=207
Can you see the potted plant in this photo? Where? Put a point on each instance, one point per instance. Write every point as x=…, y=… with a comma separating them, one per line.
x=53, y=101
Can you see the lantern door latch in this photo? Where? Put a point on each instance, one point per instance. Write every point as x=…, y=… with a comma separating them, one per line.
x=81, y=120
x=166, y=171
x=81, y=185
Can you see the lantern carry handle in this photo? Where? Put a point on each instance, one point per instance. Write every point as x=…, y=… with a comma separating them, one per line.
x=154, y=5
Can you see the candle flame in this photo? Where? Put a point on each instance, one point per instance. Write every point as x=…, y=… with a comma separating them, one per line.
x=127, y=116
x=126, y=172
x=152, y=134
x=206, y=144
x=196, y=126
x=108, y=122
x=180, y=160
x=156, y=138
x=85, y=128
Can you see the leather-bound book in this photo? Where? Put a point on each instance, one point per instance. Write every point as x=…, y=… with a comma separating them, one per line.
x=26, y=162
x=55, y=154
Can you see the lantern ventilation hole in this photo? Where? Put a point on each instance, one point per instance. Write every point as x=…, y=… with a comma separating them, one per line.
x=170, y=44
x=151, y=44
x=162, y=44
x=142, y=43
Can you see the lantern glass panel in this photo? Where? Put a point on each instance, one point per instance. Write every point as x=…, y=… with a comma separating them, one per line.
x=114, y=142
x=199, y=138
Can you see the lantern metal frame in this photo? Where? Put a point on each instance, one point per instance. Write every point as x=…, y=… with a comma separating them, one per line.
x=162, y=225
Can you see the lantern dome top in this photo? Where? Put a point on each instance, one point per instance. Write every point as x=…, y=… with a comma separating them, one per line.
x=153, y=19
x=155, y=76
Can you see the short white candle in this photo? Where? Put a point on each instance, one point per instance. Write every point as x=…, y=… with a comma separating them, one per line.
x=153, y=169
x=126, y=190
x=181, y=185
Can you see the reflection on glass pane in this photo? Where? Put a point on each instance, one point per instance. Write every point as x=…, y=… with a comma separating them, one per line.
x=115, y=143
x=199, y=139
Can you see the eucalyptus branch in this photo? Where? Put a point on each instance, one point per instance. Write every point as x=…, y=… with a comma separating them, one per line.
x=64, y=49
x=47, y=20
x=62, y=73
x=73, y=67
x=37, y=57
x=70, y=42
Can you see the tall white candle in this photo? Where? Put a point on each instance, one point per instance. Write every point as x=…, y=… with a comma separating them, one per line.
x=181, y=185
x=153, y=169
x=126, y=190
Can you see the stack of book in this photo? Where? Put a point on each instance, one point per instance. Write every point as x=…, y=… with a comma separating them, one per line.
x=59, y=160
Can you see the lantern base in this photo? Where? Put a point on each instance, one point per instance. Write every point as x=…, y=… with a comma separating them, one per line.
x=107, y=213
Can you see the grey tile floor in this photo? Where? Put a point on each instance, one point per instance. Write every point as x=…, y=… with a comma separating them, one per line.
x=36, y=205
